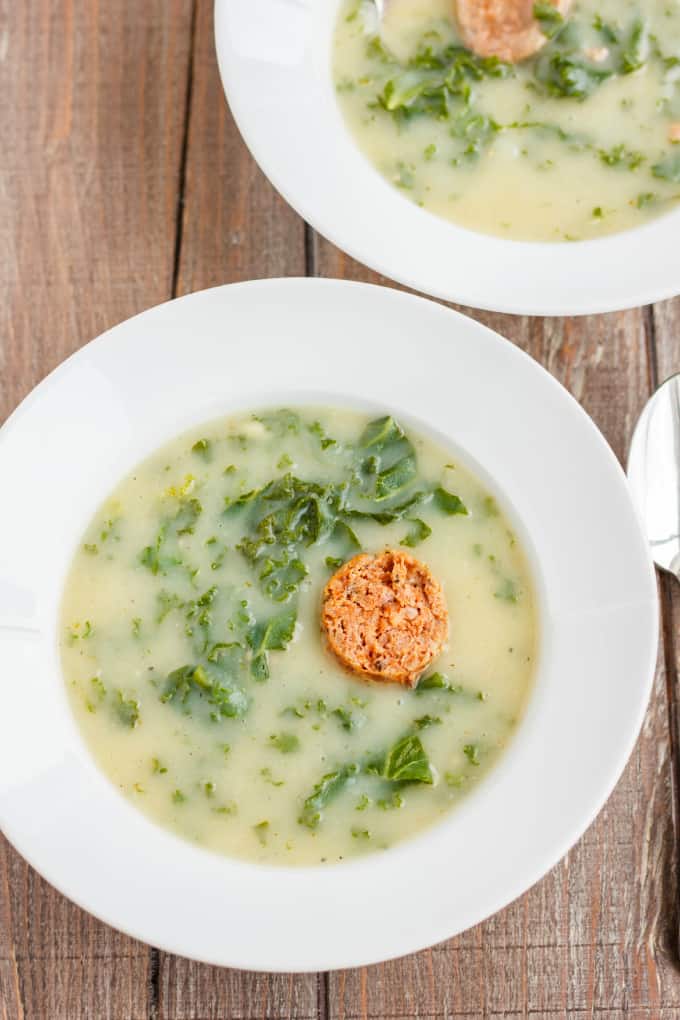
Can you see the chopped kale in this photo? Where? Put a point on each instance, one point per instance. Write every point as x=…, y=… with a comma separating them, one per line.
x=417, y=534
x=271, y=635
x=405, y=762
x=329, y=787
x=127, y=710
x=549, y=18
x=448, y=503
x=286, y=743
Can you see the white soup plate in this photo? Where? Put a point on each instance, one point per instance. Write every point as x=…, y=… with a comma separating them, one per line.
x=281, y=342
x=275, y=62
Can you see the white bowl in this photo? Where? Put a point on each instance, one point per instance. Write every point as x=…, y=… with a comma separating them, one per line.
x=276, y=341
x=275, y=62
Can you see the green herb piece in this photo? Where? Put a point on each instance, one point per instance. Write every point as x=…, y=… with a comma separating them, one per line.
x=110, y=530
x=380, y=433
x=507, y=591
x=284, y=742
x=395, y=513
x=425, y=721
x=325, y=441
x=297, y=711
x=184, y=521
x=636, y=49
x=448, y=502
x=136, y=626
x=91, y=548
x=166, y=602
x=570, y=76
x=437, y=682
x=280, y=422
x=261, y=830
x=268, y=777
x=432, y=84
x=609, y=35
x=202, y=448
x=178, y=797
x=155, y=559
x=157, y=768
x=334, y=562
x=362, y=803
x=391, y=803
x=226, y=809
x=344, y=536
x=620, y=156
x=405, y=762
x=209, y=789
x=284, y=462
x=405, y=176
x=549, y=19
x=418, y=533
x=348, y=719
x=471, y=752
x=127, y=710
x=75, y=633
x=329, y=787
x=233, y=504
x=455, y=780
x=272, y=635
x=395, y=478
x=282, y=577
x=288, y=516
x=668, y=169
x=219, y=691
x=429, y=152
x=360, y=833
x=98, y=687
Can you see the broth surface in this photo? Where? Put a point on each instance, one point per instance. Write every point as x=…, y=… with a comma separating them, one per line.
x=579, y=141
x=192, y=650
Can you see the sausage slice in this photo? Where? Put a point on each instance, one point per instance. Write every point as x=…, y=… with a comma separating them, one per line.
x=385, y=616
x=505, y=29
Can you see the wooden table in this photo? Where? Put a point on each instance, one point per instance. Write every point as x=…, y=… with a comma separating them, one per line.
x=123, y=182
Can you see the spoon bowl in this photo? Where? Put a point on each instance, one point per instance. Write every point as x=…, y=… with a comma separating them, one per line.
x=654, y=473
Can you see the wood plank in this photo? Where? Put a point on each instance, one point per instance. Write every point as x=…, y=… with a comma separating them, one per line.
x=235, y=228
x=91, y=140
x=597, y=935
x=192, y=991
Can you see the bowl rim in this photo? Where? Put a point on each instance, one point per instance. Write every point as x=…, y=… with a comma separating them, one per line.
x=200, y=317
x=357, y=210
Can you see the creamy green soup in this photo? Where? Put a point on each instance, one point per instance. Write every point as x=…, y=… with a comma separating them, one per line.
x=578, y=141
x=194, y=659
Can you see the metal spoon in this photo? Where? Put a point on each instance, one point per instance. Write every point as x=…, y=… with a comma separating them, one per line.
x=654, y=476
x=654, y=473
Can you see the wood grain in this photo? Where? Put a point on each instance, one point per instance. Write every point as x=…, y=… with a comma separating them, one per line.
x=235, y=226
x=90, y=137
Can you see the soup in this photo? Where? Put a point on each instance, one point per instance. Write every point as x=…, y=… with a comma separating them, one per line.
x=580, y=140
x=193, y=653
